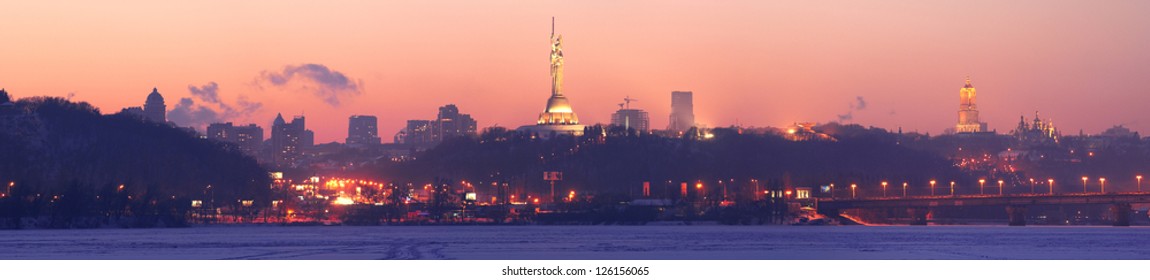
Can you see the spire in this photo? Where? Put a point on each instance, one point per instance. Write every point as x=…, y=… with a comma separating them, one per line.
x=968, y=82
x=279, y=120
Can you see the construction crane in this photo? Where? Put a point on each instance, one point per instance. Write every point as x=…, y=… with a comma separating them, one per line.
x=627, y=102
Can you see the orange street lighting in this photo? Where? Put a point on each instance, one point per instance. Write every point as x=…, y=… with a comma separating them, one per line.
x=853, y=186
x=1084, y=184
x=981, y=184
x=1102, y=181
x=932, y=182
x=1031, y=185
x=903, y=189
x=1000, y=187
x=951, y=188
x=1051, y=181
x=1139, y=177
x=883, y=188
x=832, y=190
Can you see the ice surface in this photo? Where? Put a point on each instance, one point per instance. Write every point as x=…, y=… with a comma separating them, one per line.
x=582, y=242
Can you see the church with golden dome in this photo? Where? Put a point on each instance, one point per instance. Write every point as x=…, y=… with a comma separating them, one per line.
x=968, y=121
x=558, y=117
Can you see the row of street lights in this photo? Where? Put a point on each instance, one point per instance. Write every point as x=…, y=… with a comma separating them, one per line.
x=1102, y=183
x=982, y=186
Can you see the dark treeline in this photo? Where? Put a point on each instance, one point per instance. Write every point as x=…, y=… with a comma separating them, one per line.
x=65, y=165
x=617, y=161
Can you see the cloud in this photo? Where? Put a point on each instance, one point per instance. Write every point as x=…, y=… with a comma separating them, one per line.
x=207, y=92
x=210, y=109
x=319, y=80
x=187, y=113
x=846, y=117
x=858, y=105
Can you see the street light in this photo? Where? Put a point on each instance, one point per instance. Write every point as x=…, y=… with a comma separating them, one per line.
x=1051, y=181
x=981, y=184
x=832, y=190
x=903, y=189
x=1031, y=185
x=699, y=191
x=1102, y=181
x=724, y=189
x=853, y=186
x=756, y=181
x=1084, y=183
x=951, y=188
x=1000, y=187
x=883, y=188
x=1139, y=177
x=932, y=187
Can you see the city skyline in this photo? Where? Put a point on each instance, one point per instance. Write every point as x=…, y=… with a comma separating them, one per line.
x=755, y=64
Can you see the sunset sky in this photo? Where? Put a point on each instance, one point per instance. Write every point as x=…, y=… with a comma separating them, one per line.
x=1084, y=64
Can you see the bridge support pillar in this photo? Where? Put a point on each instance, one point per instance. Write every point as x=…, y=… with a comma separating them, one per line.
x=1121, y=212
x=1016, y=214
x=918, y=216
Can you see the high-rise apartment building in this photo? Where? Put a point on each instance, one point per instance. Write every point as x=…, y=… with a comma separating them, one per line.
x=449, y=123
x=631, y=119
x=289, y=139
x=362, y=130
x=682, y=111
x=247, y=138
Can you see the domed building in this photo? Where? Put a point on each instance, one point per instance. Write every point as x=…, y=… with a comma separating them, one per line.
x=154, y=108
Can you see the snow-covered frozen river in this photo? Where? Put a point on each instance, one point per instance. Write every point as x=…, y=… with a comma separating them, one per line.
x=582, y=242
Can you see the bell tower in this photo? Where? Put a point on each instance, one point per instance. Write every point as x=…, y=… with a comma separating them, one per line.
x=968, y=110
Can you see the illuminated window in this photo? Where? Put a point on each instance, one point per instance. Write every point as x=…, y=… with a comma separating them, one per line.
x=802, y=193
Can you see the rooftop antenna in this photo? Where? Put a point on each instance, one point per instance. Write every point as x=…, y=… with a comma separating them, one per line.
x=552, y=27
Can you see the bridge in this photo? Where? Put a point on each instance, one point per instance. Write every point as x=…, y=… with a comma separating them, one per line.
x=919, y=206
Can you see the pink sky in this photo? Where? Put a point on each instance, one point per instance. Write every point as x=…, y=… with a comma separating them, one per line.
x=1084, y=64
